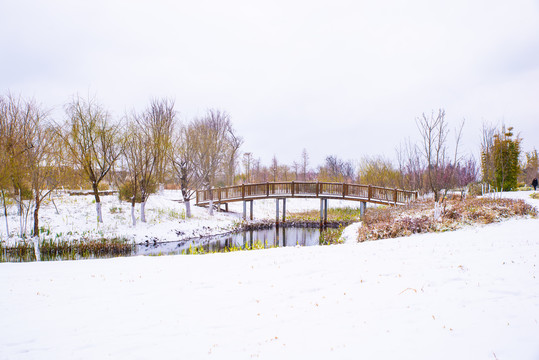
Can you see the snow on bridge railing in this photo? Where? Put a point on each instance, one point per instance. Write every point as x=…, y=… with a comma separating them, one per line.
x=306, y=189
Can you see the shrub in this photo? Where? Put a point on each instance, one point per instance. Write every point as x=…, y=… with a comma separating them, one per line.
x=125, y=192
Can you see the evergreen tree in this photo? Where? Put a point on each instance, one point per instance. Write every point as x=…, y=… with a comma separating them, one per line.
x=505, y=153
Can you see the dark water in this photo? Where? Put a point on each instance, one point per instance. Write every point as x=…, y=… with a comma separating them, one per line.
x=252, y=239
x=266, y=238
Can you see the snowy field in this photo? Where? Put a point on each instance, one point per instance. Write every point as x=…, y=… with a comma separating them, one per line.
x=468, y=294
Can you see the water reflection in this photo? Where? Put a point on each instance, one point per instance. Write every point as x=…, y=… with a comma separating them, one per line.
x=252, y=239
x=266, y=238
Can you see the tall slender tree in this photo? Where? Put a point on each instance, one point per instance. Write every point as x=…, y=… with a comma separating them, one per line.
x=506, y=152
x=93, y=142
x=304, y=163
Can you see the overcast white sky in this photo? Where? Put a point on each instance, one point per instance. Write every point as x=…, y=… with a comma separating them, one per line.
x=334, y=77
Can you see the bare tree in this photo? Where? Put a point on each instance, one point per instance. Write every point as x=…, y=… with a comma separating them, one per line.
x=530, y=167
x=44, y=160
x=284, y=171
x=234, y=143
x=182, y=156
x=93, y=142
x=274, y=168
x=411, y=167
x=209, y=153
x=434, y=132
x=488, y=166
x=247, y=162
x=295, y=168
x=304, y=163
x=141, y=159
x=336, y=169
x=148, y=142
x=258, y=172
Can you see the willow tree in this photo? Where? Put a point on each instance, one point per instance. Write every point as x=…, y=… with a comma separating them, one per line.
x=4, y=158
x=378, y=171
x=43, y=160
x=28, y=157
x=182, y=157
x=93, y=142
x=16, y=129
x=147, y=143
x=141, y=162
x=159, y=120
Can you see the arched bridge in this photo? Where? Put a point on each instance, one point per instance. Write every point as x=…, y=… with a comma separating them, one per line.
x=304, y=189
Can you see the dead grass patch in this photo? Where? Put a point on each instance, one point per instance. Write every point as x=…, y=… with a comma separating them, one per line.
x=426, y=216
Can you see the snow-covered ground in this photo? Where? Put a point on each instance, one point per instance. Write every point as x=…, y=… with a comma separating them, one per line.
x=468, y=294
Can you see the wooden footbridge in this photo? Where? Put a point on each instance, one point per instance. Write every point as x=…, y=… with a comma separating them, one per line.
x=303, y=189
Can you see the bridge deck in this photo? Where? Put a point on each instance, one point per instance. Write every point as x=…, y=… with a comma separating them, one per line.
x=305, y=189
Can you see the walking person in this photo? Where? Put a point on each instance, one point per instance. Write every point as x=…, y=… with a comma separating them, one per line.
x=534, y=184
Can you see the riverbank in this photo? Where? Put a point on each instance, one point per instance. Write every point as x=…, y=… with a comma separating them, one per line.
x=74, y=217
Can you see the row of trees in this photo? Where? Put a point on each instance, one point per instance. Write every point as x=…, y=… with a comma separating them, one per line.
x=89, y=148
x=433, y=164
x=30, y=165
x=428, y=165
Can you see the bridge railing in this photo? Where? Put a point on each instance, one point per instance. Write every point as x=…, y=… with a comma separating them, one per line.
x=306, y=189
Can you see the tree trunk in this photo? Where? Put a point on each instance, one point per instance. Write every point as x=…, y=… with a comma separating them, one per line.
x=210, y=210
x=99, y=212
x=97, y=203
x=187, y=208
x=35, y=240
x=133, y=218
x=186, y=200
x=5, y=212
x=142, y=211
x=21, y=214
x=36, y=218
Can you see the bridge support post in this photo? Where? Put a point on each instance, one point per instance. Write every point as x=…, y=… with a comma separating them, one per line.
x=277, y=212
x=362, y=210
x=251, y=209
x=284, y=210
x=323, y=212
x=244, y=210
